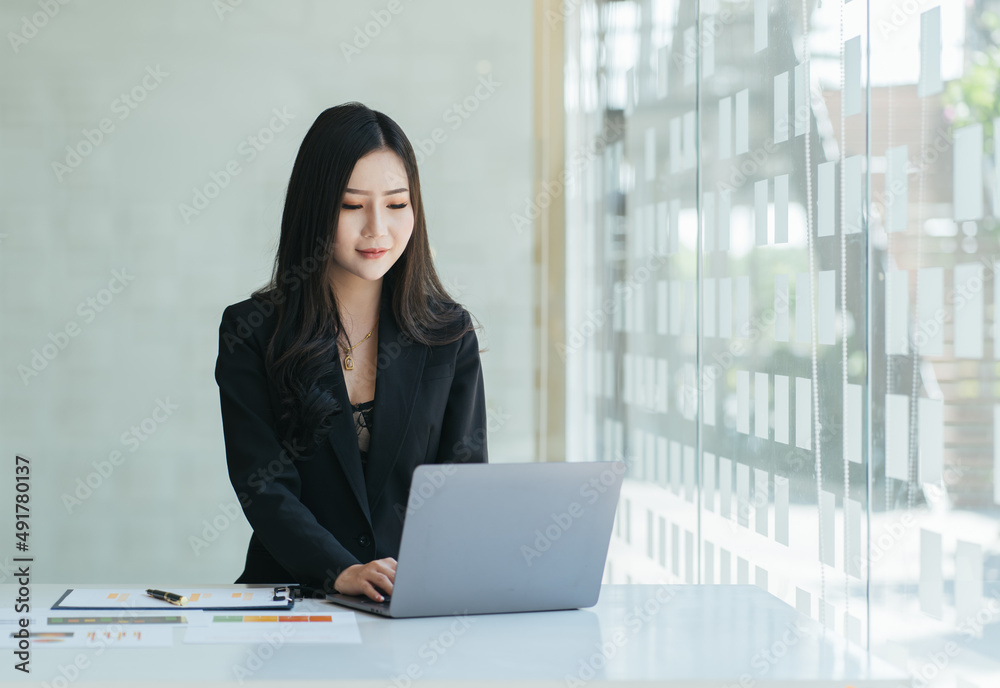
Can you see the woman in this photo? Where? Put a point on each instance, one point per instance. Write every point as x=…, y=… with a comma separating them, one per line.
x=350, y=368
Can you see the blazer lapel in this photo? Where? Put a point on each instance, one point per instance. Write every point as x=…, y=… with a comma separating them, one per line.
x=343, y=439
x=399, y=365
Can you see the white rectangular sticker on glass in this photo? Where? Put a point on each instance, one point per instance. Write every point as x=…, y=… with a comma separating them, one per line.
x=897, y=303
x=761, y=500
x=803, y=99
x=760, y=11
x=742, y=139
x=743, y=401
x=930, y=428
x=781, y=209
x=803, y=308
x=852, y=76
x=929, y=334
x=803, y=413
x=853, y=407
x=781, y=409
x=897, y=436
x=826, y=197
x=725, y=307
x=722, y=220
x=725, y=127
x=968, y=304
x=761, y=411
x=853, y=210
x=781, y=107
x=896, y=189
x=929, y=82
x=760, y=192
x=967, y=170
x=781, y=299
x=781, y=510
x=826, y=303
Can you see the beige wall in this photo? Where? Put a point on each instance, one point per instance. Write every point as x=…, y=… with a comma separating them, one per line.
x=208, y=81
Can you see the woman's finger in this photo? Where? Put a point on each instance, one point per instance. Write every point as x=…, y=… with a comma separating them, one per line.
x=381, y=581
x=371, y=592
x=387, y=571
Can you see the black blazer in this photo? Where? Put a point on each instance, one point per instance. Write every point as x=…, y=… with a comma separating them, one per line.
x=313, y=518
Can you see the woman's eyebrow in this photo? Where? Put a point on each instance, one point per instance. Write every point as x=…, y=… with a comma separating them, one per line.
x=369, y=193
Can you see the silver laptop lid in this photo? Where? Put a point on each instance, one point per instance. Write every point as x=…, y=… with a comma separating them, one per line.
x=485, y=538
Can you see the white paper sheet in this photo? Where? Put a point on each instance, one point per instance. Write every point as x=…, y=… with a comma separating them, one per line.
x=333, y=628
x=130, y=598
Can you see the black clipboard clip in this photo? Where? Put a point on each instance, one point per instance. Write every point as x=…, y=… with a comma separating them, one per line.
x=286, y=593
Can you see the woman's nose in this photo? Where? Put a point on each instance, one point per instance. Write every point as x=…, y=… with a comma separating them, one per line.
x=378, y=221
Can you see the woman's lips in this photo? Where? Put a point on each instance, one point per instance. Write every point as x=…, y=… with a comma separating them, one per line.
x=373, y=254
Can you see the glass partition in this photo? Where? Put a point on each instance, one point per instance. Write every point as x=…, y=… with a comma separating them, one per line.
x=782, y=233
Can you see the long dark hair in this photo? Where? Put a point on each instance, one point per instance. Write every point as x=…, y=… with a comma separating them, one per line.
x=303, y=348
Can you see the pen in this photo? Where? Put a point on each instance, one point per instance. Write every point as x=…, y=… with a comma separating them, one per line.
x=172, y=598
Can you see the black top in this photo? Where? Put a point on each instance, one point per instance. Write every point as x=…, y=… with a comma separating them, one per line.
x=363, y=424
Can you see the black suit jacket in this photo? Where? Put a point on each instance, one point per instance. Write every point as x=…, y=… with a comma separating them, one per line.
x=313, y=518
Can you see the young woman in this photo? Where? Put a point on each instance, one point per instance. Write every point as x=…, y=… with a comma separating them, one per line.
x=350, y=368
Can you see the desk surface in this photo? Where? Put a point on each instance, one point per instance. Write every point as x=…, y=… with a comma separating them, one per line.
x=678, y=635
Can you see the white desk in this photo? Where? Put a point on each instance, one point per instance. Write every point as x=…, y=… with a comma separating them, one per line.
x=710, y=636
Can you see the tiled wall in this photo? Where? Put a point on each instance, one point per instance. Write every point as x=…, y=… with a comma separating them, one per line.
x=182, y=90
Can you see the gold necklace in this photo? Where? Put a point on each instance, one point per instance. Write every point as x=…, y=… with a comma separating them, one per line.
x=348, y=361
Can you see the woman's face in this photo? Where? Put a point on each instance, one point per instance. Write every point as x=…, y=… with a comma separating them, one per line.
x=375, y=213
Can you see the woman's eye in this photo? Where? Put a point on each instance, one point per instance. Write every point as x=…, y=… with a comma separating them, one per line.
x=394, y=206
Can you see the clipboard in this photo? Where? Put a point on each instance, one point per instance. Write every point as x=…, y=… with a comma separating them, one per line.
x=208, y=599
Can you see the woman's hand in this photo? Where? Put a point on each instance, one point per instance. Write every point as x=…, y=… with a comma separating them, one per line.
x=368, y=579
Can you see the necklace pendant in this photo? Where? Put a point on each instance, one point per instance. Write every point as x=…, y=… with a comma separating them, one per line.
x=349, y=363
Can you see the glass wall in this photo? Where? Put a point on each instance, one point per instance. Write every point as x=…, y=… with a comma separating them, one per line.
x=782, y=236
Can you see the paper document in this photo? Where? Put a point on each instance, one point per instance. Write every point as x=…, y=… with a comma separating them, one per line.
x=198, y=598
x=110, y=636
x=283, y=628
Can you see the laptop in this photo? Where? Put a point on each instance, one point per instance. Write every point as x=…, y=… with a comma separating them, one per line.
x=485, y=538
